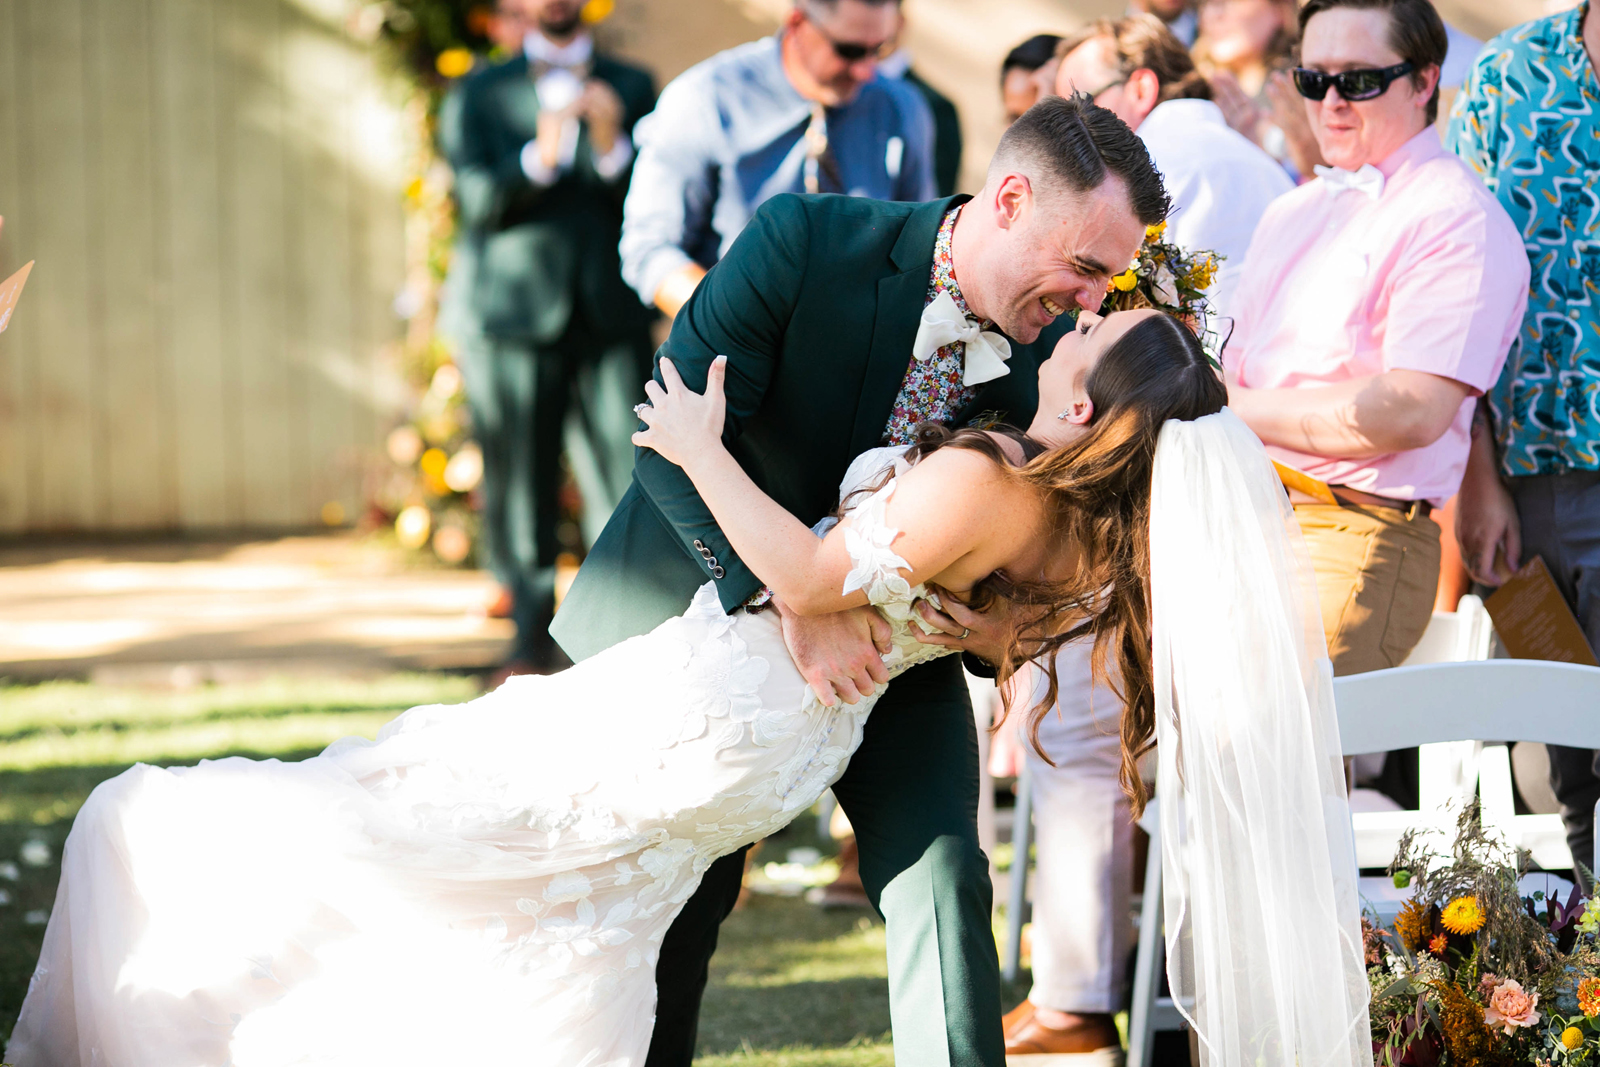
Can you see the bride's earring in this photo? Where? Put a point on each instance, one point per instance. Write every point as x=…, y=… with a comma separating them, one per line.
x=1065, y=414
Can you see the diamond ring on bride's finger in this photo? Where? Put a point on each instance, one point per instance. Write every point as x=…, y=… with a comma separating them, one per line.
x=638, y=409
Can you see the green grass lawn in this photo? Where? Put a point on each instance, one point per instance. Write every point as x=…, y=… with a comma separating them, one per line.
x=791, y=985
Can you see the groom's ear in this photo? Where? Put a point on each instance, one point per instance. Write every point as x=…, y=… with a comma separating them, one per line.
x=1012, y=200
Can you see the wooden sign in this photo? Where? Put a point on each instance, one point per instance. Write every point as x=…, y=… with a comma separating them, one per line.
x=10, y=290
x=1300, y=480
x=1533, y=620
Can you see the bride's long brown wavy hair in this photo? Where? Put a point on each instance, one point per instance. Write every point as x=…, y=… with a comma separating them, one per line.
x=1097, y=493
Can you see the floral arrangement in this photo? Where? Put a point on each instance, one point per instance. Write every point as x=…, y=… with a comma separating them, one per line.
x=1167, y=278
x=1474, y=974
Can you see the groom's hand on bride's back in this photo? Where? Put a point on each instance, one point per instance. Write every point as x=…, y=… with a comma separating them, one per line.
x=839, y=655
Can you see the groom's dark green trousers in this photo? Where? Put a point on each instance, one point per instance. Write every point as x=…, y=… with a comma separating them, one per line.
x=816, y=306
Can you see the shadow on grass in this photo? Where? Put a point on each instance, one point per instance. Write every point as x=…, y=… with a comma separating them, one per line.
x=788, y=975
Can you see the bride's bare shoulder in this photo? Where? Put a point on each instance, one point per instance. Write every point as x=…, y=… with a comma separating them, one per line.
x=973, y=474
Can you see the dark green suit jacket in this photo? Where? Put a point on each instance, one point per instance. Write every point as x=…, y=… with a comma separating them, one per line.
x=816, y=306
x=530, y=258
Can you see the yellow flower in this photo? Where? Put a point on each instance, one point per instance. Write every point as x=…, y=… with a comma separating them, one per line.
x=597, y=10
x=453, y=62
x=1154, y=233
x=1463, y=916
x=1125, y=281
x=1202, y=271
x=1571, y=1038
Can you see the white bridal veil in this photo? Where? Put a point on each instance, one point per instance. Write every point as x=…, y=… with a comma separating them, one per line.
x=1262, y=914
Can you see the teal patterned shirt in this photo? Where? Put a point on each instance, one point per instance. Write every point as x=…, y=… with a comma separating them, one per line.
x=1526, y=121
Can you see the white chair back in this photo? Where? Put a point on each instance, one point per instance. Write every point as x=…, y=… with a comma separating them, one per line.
x=1488, y=701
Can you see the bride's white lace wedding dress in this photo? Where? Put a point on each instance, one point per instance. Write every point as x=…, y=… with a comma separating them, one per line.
x=484, y=884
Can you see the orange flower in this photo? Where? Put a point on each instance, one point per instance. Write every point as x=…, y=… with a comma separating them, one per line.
x=1589, y=996
x=1412, y=925
x=1438, y=944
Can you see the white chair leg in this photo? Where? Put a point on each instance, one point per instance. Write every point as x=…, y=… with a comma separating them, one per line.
x=1150, y=961
x=1017, y=902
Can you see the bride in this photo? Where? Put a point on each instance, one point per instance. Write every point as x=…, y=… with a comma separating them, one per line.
x=489, y=883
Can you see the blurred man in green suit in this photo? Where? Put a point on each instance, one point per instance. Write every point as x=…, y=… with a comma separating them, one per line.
x=553, y=345
x=847, y=323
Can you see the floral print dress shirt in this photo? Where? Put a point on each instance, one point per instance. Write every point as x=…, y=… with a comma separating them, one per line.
x=932, y=389
x=1526, y=122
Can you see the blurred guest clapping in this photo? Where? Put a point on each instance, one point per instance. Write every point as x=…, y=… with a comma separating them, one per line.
x=1245, y=48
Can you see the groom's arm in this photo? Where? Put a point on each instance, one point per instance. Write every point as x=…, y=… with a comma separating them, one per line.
x=741, y=310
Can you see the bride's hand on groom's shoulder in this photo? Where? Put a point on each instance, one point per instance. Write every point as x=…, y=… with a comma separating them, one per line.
x=681, y=424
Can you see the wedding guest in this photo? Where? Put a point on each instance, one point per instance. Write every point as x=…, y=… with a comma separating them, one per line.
x=802, y=111
x=1245, y=49
x=1178, y=16
x=535, y=301
x=1532, y=486
x=1220, y=183
x=1383, y=298
x=1019, y=89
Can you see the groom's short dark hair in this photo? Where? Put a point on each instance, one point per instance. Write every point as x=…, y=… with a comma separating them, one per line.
x=1072, y=142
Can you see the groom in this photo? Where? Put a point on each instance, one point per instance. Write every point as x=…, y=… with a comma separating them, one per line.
x=846, y=323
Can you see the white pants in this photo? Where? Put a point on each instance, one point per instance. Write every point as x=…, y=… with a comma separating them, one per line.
x=1084, y=831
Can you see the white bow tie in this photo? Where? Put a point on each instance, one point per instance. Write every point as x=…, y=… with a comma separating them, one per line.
x=1368, y=179
x=944, y=324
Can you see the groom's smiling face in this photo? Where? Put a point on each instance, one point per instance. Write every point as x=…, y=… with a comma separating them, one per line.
x=1036, y=253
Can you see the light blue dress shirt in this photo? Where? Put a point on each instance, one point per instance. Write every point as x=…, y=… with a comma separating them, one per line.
x=729, y=134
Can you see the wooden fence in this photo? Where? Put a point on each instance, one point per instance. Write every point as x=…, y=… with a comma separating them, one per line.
x=211, y=190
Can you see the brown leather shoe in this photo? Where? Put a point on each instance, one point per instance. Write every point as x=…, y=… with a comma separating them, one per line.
x=1017, y=1018
x=1089, y=1034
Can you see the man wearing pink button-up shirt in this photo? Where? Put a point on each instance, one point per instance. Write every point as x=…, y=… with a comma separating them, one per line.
x=1375, y=304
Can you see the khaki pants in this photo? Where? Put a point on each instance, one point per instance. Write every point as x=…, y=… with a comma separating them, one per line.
x=1377, y=573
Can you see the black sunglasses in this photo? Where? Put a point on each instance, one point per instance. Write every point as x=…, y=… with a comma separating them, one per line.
x=850, y=51
x=1366, y=84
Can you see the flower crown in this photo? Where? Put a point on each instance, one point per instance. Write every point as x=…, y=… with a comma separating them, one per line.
x=1165, y=277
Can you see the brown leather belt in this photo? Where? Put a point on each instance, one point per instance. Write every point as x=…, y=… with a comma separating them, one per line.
x=1345, y=495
